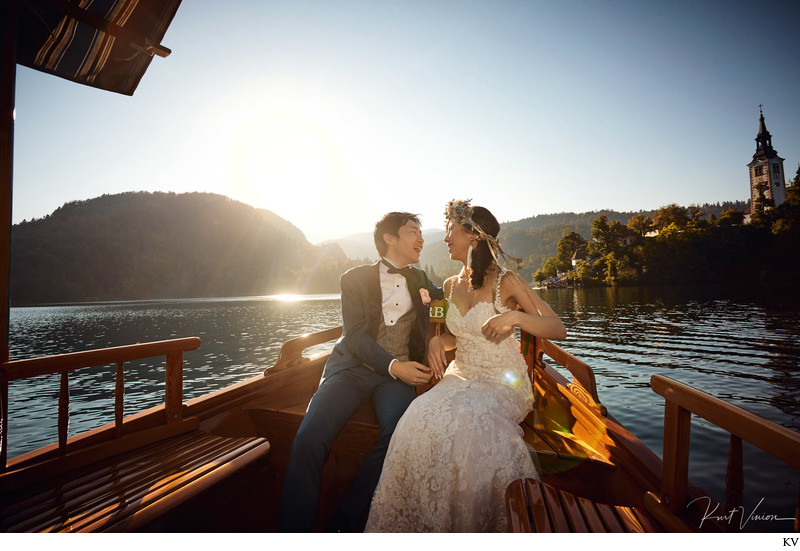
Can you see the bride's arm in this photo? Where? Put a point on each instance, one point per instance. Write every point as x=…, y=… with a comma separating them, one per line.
x=536, y=316
x=440, y=344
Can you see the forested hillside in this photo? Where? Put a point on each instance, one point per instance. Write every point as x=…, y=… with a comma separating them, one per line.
x=536, y=239
x=142, y=245
x=165, y=245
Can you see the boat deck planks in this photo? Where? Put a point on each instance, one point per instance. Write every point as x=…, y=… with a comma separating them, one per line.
x=127, y=491
x=535, y=506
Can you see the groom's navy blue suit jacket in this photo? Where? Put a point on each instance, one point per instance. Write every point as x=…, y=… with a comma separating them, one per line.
x=361, y=315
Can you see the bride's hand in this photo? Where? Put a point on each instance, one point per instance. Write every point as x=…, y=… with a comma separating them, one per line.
x=437, y=359
x=498, y=327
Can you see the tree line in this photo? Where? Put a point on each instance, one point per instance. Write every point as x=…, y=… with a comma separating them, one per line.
x=684, y=245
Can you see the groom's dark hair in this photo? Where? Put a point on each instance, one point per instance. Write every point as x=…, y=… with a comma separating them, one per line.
x=391, y=224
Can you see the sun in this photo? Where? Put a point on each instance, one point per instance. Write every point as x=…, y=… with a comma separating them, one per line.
x=310, y=156
x=278, y=148
x=282, y=155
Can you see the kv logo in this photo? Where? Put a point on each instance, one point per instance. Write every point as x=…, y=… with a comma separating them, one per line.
x=790, y=542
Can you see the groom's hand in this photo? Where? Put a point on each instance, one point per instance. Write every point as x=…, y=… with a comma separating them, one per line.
x=411, y=373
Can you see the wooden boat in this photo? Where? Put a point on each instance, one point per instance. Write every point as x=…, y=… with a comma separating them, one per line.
x=216, y=463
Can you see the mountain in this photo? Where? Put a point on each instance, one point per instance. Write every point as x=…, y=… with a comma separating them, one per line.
x=142, y=245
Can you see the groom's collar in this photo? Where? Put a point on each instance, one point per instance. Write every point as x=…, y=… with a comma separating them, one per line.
x=393, y=263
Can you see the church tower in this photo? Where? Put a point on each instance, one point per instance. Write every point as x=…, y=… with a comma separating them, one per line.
x=766, y=170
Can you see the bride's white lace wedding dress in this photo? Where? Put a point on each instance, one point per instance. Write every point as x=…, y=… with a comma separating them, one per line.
x=459, y=445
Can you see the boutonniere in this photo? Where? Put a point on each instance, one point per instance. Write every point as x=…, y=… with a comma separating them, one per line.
x=426, y=297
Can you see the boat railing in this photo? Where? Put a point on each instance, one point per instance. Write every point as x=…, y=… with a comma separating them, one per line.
x=583, y=384
x=291, y=353
x=65, y=363
x=681, y=401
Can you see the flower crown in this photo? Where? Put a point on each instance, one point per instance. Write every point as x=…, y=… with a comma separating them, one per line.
x=460, y=212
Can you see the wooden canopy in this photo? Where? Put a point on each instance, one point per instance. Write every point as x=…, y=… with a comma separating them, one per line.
x=105, y=44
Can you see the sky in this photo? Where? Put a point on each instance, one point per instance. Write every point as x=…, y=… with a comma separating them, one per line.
x=331, y=113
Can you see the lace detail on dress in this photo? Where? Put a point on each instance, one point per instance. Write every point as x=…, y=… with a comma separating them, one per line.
x=459, y=445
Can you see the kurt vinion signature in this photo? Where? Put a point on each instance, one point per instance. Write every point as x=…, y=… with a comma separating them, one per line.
x=711, y=514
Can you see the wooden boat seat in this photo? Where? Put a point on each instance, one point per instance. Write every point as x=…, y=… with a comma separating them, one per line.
x=535, y=506
x=128, y=491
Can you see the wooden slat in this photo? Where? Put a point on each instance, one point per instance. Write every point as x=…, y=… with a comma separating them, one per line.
x=3, y=425
x=517, y=508
x=63, y=412
x=174, y=387
x=675, y=474
x=539, y=513
x=734, y=476
x=629, y=520
x=609, y=517
x=119, y=399
x=646, y=520
x=554, y=509
x=593, y=520
x=573, y=512
x=8, y=73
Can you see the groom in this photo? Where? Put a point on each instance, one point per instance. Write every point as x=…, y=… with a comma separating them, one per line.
x=384, y=339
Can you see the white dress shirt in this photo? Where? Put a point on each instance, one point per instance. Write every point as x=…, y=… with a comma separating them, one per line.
x=396, y=300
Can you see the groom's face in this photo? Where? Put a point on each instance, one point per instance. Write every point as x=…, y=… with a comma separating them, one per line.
x=405, y=247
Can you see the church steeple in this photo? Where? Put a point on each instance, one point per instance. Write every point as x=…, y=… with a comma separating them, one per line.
x=767, y=184
x=764, y=150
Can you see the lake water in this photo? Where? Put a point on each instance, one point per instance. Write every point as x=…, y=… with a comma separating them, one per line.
x=739, y=348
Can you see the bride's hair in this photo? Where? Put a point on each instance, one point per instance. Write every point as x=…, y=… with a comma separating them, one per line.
x=481, y=255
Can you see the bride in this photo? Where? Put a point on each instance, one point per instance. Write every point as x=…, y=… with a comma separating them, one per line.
x=459, y=445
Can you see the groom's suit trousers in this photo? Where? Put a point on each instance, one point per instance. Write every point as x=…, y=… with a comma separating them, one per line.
x=337, y=398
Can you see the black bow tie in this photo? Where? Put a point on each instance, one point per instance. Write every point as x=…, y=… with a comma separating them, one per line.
x=392, y=270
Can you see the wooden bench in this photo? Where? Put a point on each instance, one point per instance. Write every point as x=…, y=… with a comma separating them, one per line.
x=123, y=476
x=540, y=507
x=535, y=506
x=128, y=491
